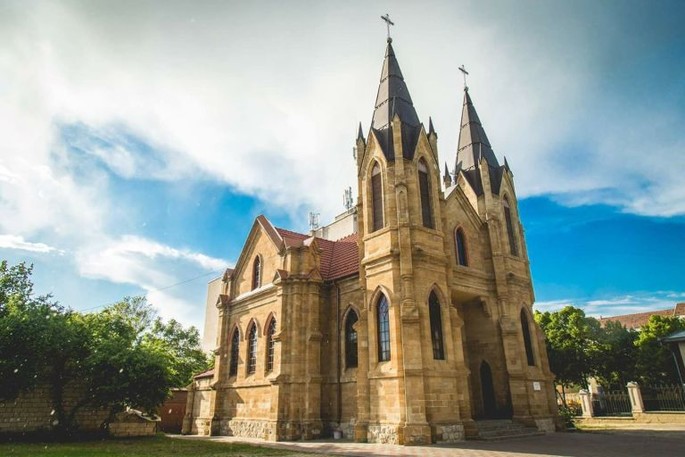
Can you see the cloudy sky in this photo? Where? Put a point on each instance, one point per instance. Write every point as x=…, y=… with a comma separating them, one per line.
x=140, y=139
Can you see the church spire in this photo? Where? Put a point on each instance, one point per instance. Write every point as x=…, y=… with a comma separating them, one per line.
x=473, y=142
x=392, y=100
x=393, y=96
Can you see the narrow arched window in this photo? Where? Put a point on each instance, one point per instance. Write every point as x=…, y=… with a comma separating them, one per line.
x=510, y=228
x=270, y=332
x=351, y=340
x=376, y=198
x=252, y=349
x=424, y=191
x=527, y=342
x=436, y=327
x=257, y=273
x=460, y=240
x=235, y=351
x=383, y=329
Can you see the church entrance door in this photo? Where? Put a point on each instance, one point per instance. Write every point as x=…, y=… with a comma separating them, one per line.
x=488, y=391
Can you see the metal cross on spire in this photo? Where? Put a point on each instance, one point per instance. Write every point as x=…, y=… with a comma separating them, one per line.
x=388, y=23
x=463, y=70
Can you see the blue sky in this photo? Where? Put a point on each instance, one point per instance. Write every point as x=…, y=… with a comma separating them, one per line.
x=141, y=139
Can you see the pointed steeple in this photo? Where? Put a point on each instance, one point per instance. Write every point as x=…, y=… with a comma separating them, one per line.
x=393, y=96
x=473, y=142
x=392, y=100
x=360, y=133
x=447, y=178
x=431, y=130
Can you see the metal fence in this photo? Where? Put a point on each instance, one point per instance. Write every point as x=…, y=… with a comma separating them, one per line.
x=612, y=403
x=663, y=397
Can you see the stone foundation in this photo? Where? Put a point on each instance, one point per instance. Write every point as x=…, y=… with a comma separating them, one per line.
x=545, y=425
x=382, y=433
x=449, y=433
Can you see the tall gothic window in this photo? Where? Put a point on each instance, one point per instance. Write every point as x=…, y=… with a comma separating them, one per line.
x=526, y=338
x=383, y=329
x=460, y=240
x=252, y=349
x=270, y=345
x=257, y=273
x=376, y=198
x=351, y=340
x=424, y=191
x=235, y=350
x=436, y=327
x=510, y=228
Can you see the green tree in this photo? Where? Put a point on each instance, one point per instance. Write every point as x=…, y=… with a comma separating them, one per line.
x=615, y=361
x=123, y=356
x=25, y=323
x=654, y=361
x=572, y=344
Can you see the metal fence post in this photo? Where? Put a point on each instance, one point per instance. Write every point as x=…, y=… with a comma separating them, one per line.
x=635, y=395
x=586, y=402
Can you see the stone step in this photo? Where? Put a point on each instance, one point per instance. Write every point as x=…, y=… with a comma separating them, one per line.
x=503, y=429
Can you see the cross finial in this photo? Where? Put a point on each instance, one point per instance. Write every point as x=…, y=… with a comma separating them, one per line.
x=463, y=70
x=388, y=23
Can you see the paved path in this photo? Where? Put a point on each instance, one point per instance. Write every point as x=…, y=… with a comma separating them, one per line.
x=667, y=442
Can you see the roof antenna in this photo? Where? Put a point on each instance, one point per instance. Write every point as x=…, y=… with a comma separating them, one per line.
x=388, y=23
x=313, y=221
x=348, y=201
x=463, y=70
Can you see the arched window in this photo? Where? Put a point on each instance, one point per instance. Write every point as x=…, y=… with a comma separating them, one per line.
x=257, y=273
x=424, y=191
x=376, y=198
x=460, y=241
x=351, y=340
x=383, y=329
x=235, y=350
x=252, y=349
x=526, y=338
x=510, y=228
x=271, y=330
x=436, y=326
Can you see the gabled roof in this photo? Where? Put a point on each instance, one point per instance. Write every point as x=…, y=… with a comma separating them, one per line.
x=392, y=100
x=338, y=258
x=206, y=374
x=637, y=320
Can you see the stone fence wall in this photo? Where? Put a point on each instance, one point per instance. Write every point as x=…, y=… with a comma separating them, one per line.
x=33, y=412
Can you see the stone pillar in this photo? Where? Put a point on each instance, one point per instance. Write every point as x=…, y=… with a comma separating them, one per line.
x=586, y=403
x=635, y=395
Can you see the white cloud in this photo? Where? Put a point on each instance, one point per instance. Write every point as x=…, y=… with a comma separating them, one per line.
x=18, y=242
x=637, y=302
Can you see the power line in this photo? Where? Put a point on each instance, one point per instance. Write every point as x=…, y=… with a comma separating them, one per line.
x=159, y=289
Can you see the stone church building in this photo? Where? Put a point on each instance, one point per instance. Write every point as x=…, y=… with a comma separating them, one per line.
x=407, y=320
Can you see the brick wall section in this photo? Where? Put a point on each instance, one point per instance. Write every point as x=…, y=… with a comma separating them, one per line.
x=33, y=411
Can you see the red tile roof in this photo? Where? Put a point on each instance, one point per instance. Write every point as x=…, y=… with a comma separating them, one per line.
x=637, y=320
x=338, y=258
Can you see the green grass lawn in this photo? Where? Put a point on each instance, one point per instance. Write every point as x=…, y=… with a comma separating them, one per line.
x=137, y=447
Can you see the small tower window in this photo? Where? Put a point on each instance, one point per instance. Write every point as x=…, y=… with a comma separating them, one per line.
x=424, y=191
x=257, y=273
x=235, y=350
x=436, y=327
x=252, y=349
x=527, y=342
x=460, y=239
x=270, y=345
x=383, y=329
x=513, y=248
x=351, y=340
x=376, y=198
